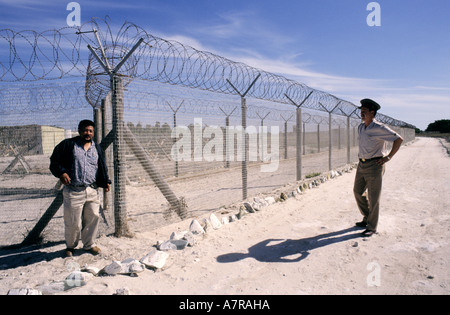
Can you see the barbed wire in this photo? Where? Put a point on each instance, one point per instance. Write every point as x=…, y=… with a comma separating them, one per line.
x=29, y=98
x=62, y=53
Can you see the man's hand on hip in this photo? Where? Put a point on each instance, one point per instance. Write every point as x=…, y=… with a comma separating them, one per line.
x=65, y=179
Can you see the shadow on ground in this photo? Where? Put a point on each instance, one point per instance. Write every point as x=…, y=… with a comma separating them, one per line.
x=288, y=251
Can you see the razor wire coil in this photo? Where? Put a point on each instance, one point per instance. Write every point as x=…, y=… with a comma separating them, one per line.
x=60, y=54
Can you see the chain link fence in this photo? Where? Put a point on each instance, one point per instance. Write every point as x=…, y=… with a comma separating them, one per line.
x=185, y=132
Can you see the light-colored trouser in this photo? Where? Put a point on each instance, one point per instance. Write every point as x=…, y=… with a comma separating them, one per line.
x=81, y=216
x=369, y=176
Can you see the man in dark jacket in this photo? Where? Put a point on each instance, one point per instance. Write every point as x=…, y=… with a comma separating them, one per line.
x=80, y=164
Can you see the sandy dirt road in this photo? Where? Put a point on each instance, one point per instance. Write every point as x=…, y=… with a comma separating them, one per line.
x=306, y=245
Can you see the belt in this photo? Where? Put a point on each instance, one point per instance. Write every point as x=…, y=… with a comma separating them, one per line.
x=94, y=186
x=372, y=159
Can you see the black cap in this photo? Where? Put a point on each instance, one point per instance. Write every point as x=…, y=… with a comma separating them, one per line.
x=370, y=104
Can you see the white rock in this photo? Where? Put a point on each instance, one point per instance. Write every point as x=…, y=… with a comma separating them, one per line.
x=249, y=207
x=131, y=265
x=261, y=202
x=225, y=220
x=196, y=228
x=270, y=200
x=206, y=224
x=24, y=292
x=155, y=259
x=114, y=268
x=190, y=238
x=53, y=287
x=122, y=291
x=77, y=279
x=92, y=270
x=241, y=213
x=127, y=266
x=177, y=235
x=256, y=206
x=215, y=223
x=183, y=236
x=180, y=244
x=167, y=245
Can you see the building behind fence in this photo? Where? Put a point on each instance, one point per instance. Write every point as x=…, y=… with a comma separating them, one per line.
x=185, y=146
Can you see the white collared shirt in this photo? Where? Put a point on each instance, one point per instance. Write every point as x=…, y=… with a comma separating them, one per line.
x=373, y=138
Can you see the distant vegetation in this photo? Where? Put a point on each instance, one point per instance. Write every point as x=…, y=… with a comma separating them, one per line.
x=442, y=126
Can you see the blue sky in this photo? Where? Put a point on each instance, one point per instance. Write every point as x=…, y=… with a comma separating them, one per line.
x=404, y=64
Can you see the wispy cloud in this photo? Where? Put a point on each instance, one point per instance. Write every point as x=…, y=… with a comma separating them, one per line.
x=233, y=30
x=26, y=4
x=418, y=105
x=36, y=15
x=432, y=88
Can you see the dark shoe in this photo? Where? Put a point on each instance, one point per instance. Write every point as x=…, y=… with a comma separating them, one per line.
x=69, y=252
x=94, y=250
x=368, y=233
x=361, y=224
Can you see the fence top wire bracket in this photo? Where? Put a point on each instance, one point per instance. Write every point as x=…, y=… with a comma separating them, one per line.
x=109, y=71
x=248, y=89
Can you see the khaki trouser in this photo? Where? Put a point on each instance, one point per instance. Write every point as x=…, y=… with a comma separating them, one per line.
x=81, y=216
x=369, y=176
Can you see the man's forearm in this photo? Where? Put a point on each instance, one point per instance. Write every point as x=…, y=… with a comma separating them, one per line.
x=395, y=147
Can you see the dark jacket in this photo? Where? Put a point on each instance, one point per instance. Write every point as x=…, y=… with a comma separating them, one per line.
x=61, y=161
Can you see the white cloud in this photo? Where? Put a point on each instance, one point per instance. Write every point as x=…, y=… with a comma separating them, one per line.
x=417, y=105
x=186, y=41
x=24, y=4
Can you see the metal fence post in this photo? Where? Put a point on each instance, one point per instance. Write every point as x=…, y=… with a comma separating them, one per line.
x=120, y=212
x=225, y=136
x=175, y=140
x=285, y=136
x=120, y=206
x=330, y=145
x=261, y=138
x=348, y=139
x=300, y=142
x=244, y=127
x=106, y=128
x=245, y=148
x=299, y=136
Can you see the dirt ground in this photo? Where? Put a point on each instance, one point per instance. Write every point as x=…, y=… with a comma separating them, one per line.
x=305, y=245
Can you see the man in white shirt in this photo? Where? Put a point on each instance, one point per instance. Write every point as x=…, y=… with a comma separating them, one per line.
x=373, y=154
